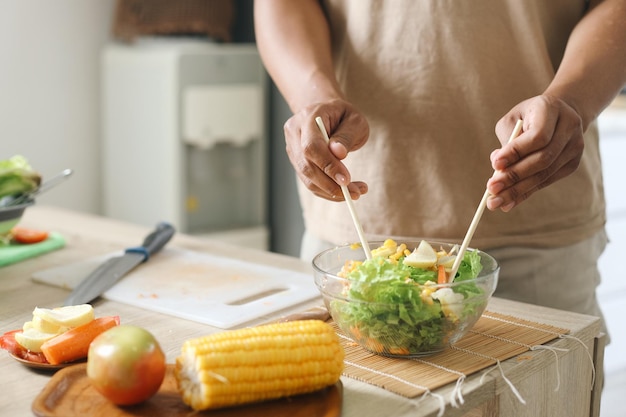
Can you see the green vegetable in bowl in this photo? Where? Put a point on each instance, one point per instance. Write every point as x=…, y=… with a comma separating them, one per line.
x=394, y=308
x=17, y=176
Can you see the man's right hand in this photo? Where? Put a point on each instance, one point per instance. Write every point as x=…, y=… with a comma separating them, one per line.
x=318, y=164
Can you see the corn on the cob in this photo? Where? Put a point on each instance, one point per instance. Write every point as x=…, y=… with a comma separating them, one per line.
x=258, y=363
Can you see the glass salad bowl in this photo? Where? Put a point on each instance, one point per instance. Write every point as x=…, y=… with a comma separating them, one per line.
x=11, y=215
x=393, y=304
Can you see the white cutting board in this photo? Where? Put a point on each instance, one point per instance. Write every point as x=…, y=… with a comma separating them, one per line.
x=214, y=290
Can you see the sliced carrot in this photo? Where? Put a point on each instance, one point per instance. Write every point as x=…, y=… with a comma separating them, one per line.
x=356, y=332
x=74, y=343
x=399, y=351
x=374, y=345
x=441, y=274
x=27, y=236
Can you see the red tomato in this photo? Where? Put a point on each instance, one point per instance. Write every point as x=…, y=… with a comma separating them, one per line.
x=22, y=235
x=126, y=364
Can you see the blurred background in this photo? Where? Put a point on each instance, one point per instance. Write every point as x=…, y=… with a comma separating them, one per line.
x=101, y=87
x=186, y=127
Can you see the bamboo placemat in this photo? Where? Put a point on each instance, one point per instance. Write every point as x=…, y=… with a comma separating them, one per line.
x=495, y=337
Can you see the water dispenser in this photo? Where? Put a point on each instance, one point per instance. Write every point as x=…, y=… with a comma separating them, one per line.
x=184, y=137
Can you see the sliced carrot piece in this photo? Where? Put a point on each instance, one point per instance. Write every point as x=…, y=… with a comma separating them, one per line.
x=356, y=332
x=74, y=344
x=441, y=274
x=374, y=345
x=399, y=351
x=27, y=236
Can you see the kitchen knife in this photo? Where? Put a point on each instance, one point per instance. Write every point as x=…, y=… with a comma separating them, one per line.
x=108, y=273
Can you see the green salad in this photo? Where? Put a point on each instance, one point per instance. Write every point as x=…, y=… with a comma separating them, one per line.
x=17, y=176
x=397, y=308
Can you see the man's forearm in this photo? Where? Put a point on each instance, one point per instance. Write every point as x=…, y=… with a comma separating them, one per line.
x=593, y=69
x=293, y=38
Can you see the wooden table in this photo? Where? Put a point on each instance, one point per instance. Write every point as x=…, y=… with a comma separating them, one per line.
x=89, y=235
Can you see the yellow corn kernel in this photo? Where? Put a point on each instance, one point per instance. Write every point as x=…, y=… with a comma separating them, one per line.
x=426, y=292
x=258, y=363
x=387, y=248
x=348, y=267
x=399, y=252
x=390, y=243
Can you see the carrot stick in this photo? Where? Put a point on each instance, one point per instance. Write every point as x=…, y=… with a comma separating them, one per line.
x=74, y=343
x=441, y=274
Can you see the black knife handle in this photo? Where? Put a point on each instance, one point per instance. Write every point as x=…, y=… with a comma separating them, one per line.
x=155, y=240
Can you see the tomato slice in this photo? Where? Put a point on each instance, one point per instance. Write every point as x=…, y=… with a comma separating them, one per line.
x=8, y=342
x=27, y=236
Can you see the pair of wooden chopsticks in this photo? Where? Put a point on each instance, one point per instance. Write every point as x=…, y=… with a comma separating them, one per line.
x=468, y=235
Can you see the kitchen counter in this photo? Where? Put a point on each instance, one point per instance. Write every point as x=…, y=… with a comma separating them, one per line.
x=535, y=374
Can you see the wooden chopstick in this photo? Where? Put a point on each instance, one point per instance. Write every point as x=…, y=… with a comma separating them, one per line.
x=477, y=216
x=348, y=198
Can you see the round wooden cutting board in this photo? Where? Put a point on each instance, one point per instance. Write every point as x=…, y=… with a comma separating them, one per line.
x=70, y=394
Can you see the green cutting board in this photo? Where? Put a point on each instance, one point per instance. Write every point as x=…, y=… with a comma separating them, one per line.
x=15, y=252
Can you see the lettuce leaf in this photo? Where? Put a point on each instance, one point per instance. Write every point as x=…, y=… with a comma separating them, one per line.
x=17, y=176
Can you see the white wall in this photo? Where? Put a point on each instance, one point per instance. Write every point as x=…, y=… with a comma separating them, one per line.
x=612, y=291
x=49, y=91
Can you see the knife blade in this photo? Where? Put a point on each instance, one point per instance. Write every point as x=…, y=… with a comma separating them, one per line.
x=314, y=313
x=112, y=270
